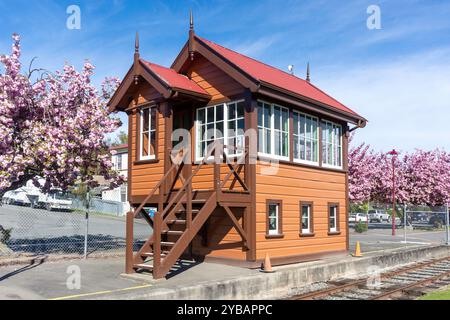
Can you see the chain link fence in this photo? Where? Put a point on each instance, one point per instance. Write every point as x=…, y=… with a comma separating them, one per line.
x=414, y=225
x=74, y=227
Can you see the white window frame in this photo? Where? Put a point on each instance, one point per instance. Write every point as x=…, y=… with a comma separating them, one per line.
x=119, y=162
x=229, y=153
x=296, y=132
x=277, y=219
x=308, y=230
x=272, y=133
x=333, y=208
x=333, y=144
x=151, y=128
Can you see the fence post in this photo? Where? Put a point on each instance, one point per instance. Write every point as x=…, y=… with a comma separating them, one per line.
x=405, y=220
x=129, y=243
x=86, y=231
x=447, y=230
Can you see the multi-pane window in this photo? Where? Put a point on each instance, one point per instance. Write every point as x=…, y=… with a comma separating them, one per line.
x=235, y=127
x=333, y=217
x=264, y=128
x=273, y=130
x=148, y=133
x=306, y=138
x=331, y=144
x=306, y=209
x=210, y=127
x=273, y=218
x=119, y=162
x=224, y=123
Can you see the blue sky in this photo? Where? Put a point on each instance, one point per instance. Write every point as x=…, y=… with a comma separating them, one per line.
x=398, y=77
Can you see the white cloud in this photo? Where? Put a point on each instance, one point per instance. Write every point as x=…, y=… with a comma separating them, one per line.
x=407, y=100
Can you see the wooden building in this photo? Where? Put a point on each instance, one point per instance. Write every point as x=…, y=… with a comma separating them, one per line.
x=261, y=166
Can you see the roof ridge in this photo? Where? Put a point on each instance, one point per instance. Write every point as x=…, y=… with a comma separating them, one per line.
x=261, y=62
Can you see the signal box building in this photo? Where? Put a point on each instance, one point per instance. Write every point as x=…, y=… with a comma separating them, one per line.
x=260, y=167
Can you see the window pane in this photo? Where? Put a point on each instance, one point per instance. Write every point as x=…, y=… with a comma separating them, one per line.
x=268, y=142
x=219, y=130
x=145, y=144
x=241, y=125
x=219, y=113
x=231, y=111
x=267, y=114
x=285, y=144
x=273, y=217
x=145, y=120
x=231, y=128
x=277, y=143
x=260, y=140
x=285, y=120
x=153, y=119
x=260, y=115
x=201, y=116
x=305, y=217
x=210, y=115
x=153, y=143
x=296, y=149
x=240, y=109
x=210, y=131
x=277, y=118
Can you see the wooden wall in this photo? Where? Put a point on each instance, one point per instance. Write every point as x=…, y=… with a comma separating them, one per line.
x=293, y=184
x=144, y=176
x=213, y=80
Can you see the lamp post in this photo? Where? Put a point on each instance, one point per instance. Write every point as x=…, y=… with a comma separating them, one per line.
x=393, y=153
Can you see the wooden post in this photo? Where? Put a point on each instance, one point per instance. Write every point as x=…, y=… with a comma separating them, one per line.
x=161, y=199
x=188, y=172
x=129, y=243
x=217, y=163
x=157, y=244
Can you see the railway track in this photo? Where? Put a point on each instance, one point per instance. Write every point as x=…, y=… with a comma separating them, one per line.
x=403, y=284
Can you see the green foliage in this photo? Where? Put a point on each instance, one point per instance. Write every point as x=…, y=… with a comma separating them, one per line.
x=361, y=227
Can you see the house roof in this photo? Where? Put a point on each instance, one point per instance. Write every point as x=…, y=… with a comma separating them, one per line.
x=174, y=79
x=276, y=77
x=120, y=146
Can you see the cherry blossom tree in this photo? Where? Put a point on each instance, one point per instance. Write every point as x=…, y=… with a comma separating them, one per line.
x=53, y=125
x=421, y=177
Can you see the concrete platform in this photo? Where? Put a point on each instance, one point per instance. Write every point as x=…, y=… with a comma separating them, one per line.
x=101, y=279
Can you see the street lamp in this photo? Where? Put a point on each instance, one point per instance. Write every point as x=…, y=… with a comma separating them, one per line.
x=393, y=153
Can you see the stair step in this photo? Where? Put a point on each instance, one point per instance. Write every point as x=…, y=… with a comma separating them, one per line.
x=196, y=201
x=184, y=211
x=167, y=244
x=173, y=232
x=177, y=221
x=143, y=266
x=150, y=254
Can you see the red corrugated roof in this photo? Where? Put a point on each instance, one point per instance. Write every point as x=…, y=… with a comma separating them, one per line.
x=174, y=79
x=276, y=77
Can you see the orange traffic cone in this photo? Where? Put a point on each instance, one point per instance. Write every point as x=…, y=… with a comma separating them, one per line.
x=357, y=250
x=267, y=266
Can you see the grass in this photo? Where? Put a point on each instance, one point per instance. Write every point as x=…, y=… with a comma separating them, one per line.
x=441, y=294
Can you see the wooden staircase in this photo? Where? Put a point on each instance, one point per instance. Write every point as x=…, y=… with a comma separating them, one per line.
x=181, y=214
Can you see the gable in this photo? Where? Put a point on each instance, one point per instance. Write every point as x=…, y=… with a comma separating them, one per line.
x=213, y=80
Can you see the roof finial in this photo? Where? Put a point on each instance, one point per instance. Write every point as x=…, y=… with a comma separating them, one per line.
x=191, y=20
x=191, y=48
x=136, y=43
x=307, y=73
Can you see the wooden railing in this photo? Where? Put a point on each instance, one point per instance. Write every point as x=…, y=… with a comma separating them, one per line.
x=167, y=212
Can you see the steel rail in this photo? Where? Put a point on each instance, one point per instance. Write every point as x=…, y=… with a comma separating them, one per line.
x=360, y=282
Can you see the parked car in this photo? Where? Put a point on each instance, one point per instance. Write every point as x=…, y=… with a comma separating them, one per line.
x=419, y=217
x=357, y=217
x=55, y=200
x=398, y=220
x=17, y=197
x=378, y=216
x=437, y=219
